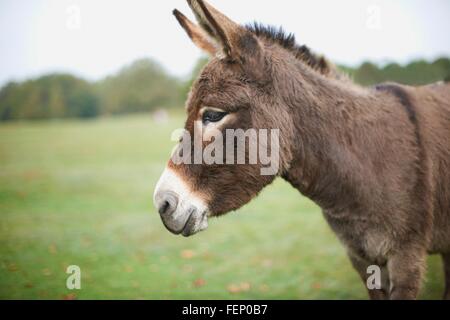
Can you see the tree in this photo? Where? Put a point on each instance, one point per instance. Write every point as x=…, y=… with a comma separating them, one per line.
x=50, y=96
x=141, y=86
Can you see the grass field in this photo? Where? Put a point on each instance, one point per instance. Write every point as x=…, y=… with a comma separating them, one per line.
x=80, y=193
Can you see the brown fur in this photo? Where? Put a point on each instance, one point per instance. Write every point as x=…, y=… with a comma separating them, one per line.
x=376, y=160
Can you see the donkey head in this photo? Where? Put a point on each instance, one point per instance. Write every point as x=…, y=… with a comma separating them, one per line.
x=234, y=91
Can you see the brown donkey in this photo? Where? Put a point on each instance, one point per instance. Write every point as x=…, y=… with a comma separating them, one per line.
x=376, y=160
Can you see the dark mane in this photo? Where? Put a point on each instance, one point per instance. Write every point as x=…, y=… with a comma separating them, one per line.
x=301, y=52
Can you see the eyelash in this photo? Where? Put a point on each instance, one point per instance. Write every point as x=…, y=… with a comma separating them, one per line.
x=212, y=116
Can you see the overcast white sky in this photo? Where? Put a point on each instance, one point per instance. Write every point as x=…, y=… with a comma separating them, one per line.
x=94, y=38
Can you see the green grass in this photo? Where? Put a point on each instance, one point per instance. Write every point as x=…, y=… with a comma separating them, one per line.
x=80, y=193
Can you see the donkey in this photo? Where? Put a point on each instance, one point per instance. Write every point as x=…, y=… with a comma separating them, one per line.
x=376, y=160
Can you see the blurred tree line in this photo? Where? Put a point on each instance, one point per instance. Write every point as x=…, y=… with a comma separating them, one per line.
x=418, y=72
x=142, y=86
x=145, y=86
x=50, y=96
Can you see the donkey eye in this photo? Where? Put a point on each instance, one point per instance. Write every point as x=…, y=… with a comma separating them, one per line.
x=212, y=116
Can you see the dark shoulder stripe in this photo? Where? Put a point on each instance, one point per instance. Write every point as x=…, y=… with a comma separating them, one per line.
x=403, y=97
x=422, y=186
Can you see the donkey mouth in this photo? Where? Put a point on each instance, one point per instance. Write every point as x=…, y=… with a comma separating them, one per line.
x=181, y=211
x=194, y=223
x=188, y=228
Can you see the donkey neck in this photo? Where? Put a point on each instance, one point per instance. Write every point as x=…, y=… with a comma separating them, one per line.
x=326, y=162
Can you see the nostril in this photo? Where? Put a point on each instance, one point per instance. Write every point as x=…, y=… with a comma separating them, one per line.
x=169, y=203
x=165, y=206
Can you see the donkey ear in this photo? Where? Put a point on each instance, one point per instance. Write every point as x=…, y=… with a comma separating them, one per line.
x=197, y=35
x=233, y=40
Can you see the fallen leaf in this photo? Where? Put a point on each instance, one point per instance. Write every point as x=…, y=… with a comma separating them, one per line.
x=233, y=288
x=128, y=269
x=70, y=296
x=13, y=267
x=199, y=282
x=32, y=175
x=140, y=257
x=237, y=288
x=187, y=254
x=47, y=272
x=264, y=288
x=52, y=249
x=316, y=285
x=22, y=194
x=245, y=286
x=86, y=241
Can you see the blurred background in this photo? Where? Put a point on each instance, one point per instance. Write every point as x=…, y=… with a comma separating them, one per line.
x=90, y=93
